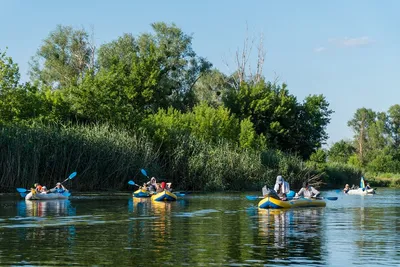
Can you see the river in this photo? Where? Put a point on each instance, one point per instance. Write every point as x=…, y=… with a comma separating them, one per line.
x=218, y=229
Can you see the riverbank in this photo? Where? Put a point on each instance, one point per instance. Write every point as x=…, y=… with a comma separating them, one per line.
x=384, y=180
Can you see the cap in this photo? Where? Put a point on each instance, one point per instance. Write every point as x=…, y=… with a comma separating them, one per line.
x=279, y=179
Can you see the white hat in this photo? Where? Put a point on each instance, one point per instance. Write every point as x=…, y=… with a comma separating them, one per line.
x=279, y=179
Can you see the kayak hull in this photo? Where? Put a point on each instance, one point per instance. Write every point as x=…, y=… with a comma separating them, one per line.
x=33, y=195
x=359, y=191
x=141, y=193
x=164, y=196
x=273, y=203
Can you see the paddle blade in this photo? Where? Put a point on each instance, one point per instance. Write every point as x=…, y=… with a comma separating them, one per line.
x=131, y=182
x=143, y=171
x=23, y=195
x=22, y=190
x=179, y=194
x=332, y=198
x=253, y=198
x=72, y=175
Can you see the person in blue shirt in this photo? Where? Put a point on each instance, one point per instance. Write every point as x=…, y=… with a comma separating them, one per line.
x=58, y=189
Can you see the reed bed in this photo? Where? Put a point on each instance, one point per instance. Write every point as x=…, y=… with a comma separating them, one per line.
x=106, y=158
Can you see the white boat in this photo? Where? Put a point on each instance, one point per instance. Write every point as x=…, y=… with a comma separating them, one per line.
x=361, y=191
x=33, y=195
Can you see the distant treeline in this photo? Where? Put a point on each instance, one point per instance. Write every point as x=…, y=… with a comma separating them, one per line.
x=149, y=101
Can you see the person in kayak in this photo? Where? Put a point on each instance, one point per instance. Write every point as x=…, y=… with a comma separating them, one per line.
x=59, y=188
x=367, y=186
x=281, y=187
x=44, y=190
x=346, y=188
x=307, y=191
x=38, y=187
x=152, y=185
x=166, y=186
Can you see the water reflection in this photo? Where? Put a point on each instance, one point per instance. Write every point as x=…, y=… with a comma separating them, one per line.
x=275, y=223
x=27, y=208
x=282, y=235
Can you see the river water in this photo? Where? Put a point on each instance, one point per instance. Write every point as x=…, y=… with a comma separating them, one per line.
x=221, y=229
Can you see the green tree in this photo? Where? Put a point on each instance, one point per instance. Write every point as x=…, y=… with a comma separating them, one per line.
x=179, y=64
x=9, y=73
x=341, y=151
x=360, y=124
x=378, y=132
x=319, y=156
x=18, y=102
x=63, y=58
x=123, y=51
x=211, y=88
x=119, y=95
x=247, y=137
x=394, y=124
x=213, y=124
x=310, y=125
x=287, y=124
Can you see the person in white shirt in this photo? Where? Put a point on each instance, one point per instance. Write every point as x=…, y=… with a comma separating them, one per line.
x=307, y=191
x=281, y=187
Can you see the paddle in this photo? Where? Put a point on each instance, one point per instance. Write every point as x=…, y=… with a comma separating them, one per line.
x=143, y=171
x=70, y=177
x=132, y=183
x=22, y=190
x=328, y=198
x=331, y=198
x=253, y=198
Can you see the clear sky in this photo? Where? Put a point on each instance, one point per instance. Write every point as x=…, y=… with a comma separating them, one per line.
x=345, y=50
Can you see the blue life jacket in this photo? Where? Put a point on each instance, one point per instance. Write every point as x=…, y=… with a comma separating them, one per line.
x=60, y=190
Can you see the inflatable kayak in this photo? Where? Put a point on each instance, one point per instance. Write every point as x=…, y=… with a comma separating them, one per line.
x=164, y=196
x=360, y=191
x=33, y=195
x=141, y=193
x=273, y=203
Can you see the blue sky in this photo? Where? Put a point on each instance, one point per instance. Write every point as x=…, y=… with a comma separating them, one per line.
x=345, y=50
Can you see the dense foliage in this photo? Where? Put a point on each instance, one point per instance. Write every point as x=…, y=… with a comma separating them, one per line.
x=375, y=147
x=150, y=101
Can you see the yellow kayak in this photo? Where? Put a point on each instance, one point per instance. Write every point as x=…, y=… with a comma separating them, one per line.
x=164, y=196
x=273, y=203
x=141, y=193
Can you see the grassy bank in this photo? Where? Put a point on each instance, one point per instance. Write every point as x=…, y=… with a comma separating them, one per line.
x=383, y=179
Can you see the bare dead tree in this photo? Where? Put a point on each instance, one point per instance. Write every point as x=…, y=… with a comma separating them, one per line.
x=260, y=59
x=92, y=50
x=243, y=71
